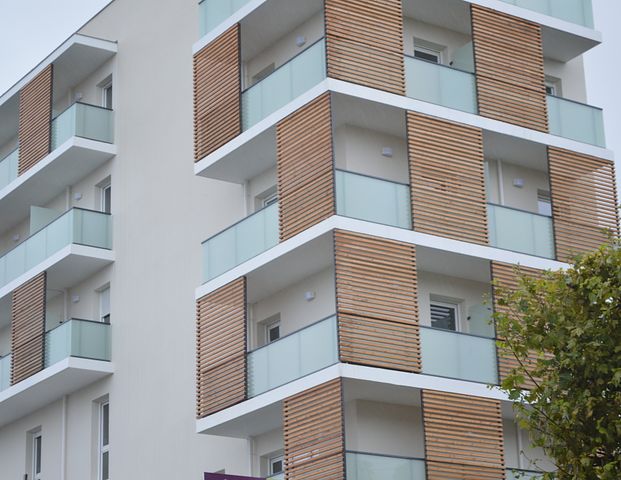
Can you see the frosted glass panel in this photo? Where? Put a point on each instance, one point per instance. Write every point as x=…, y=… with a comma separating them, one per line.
x=576, y=121
x=480, y=321
x=79, y=226
x=82, y=120
x=361, y=466
x=213, y=12
x=8, y=168
x=372, y=199
x=574, y=11
x=440, y=85
x=77, y=338
x=455, y=355
x=289, y=81
x=5, y=372
x=278, y=476
x=521, y=231
x=292, y=357
x=515, y=474
x=244, y=240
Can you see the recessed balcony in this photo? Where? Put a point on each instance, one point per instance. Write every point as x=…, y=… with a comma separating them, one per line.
x=213, y=12
x=371, y=466
x=576, y=121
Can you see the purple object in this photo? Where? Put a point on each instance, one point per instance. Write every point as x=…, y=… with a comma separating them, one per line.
x=226, y=476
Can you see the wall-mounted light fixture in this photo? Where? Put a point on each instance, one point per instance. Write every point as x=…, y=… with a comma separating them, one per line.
x=75, y=298
x=300, y=40
x=16, y=237
x=518, y=182
x=309, y=295
x=387, y=152
x=77, y=196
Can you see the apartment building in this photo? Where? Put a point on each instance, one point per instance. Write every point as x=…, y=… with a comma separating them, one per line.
x=258, y=238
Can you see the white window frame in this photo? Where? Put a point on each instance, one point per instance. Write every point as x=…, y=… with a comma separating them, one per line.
x=448, y=303
x=269, y=199
x=37, y=454
x=106, y=187
x=268, y=328
x=105, y=88
x=272, y=460
x=430, y=49
x=101, y=448
x=104, y=312
x=554, y=84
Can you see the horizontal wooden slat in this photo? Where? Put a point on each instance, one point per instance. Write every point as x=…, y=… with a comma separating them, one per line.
x=313, y=434
x=447, y=178
x=217, y=93
x=584, y=201
x=221, y=348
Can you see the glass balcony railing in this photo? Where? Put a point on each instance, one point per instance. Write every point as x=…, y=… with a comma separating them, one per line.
x=82, y=120
x=213, y=12
x=576, y=121
x=440, y=84
x=5, y=372
x=76, y=226
x=8, y=168
x=366, y=466
x=521, y=231
x=287, y=82
x=574, y=11
x=294, y=356
x=373, y=199
x=246, y=239
x=458, y=355
x=277, y=476
x=517, y=474
x=77, y=338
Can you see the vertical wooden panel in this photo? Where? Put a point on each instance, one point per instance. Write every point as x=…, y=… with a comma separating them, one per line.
x=508, y=53
x=505, y=276
x=35, y=120
x=463, y=437
x=305, y=167
x=221, y=348
x=364, y=42
x=584, y=201
x=447, y=178
x=314, y=435
x=28, y=329
x=217, y=93
x=377, y=302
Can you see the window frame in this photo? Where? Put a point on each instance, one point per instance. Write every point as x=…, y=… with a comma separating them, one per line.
x=107, y=95
x=104, y=317
x=105, y=201
x=103, y=448
x=446, y=303
x=272, y=459
x=268, y=328
x=37, y=455
x=428, y=48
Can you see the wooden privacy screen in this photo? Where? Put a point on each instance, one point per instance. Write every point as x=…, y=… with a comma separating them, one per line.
x=313, y=433
x=364, y=42
x=463, y=437
x=305, y=167
x=584, y=201
x=217, y=93
x=221, y=348
x=505, y=276
x=376, y=302
x=447, y=178
x=28, y=329
x=35, y=120
x=508, y=55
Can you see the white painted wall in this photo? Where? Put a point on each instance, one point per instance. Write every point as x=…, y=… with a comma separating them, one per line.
x=524, y=198
x=449, y=39
x=571, y=76
x=264, y=447
x=257, y=187
x=531, y=458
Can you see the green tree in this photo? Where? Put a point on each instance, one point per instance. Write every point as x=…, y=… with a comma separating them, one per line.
x=568, y=323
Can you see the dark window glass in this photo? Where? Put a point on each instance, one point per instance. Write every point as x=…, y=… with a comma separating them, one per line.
x=430, y=57
x=443, y=316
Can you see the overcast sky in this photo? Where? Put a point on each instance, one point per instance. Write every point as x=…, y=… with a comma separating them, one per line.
x=31, y=29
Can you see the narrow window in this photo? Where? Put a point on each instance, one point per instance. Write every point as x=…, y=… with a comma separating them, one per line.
x=444, y=315
x=276, y=464
x=106, y=91
x=544, y=202
x=428, y=51
x=104, y=441
x=270, y=199
x=104, y=305
x=106, y=198
x=36, y=456
x=272, y=332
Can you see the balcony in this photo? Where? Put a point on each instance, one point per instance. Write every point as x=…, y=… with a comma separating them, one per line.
x=373, y=199
x=8, y=168
x=213, y=12
x=299, y=354
x=521, y=231
x=576, y=121
x=440, y=84
x=369, y=466
x=82, y=120
x=579, y=12
x=76, y=227
x=286, y=83
x=77, y=353
x=246, y=239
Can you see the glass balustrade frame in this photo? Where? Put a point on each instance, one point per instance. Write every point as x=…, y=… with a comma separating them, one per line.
x=70, y=325
x=597, y=124
x=547, y=8
x=205, y=26
x=75, y=124
x=352, y=455
x=9, y=168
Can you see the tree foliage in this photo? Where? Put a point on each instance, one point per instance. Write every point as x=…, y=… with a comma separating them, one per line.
x=570, y=321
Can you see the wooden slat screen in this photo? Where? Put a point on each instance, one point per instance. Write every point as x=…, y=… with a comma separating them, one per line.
x=28, y=329
x=35, y=120
x=364, y=42
x=217, y=93
x=508, y=53
x=377, y=302
x=447, y=178
x=305, y=167
x=463, y=437
x=584, y=201
x=221, y=348
x=505, y=276
x=314, y=434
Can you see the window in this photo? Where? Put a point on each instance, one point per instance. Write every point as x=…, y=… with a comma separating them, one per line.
x=544, y=202
x=106, y=198
x=270, y=199
x=553, y=86
x=444, y=315
x=36, y=456
x=272, y=331
x=276, y=464
x=106, y=91
x=104, y=441
x=104, y=305
x=428, y=51
x=266, y=72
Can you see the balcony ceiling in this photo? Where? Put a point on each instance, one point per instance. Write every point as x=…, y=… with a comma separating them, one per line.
x=452, y=264
x=450, y=14
x=368, y=115
x=515, y=150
